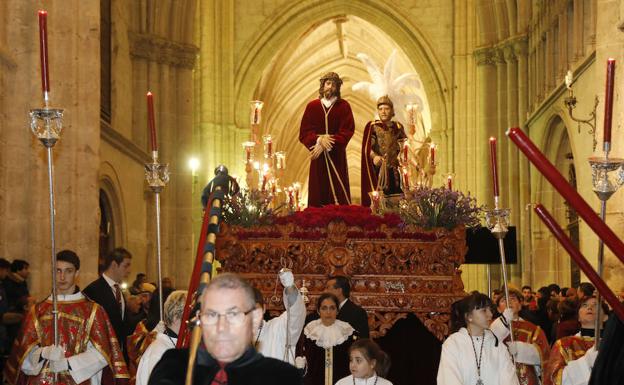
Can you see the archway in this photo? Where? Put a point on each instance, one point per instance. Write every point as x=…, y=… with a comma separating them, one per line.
x=558, y=266
x=290, y=81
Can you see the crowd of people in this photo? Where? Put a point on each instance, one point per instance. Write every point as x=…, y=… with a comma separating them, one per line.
x=109, y=334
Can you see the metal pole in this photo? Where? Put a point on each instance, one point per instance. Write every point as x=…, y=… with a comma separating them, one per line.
x=53, y=244
x=489, y=280
x=598, y=323
x=158, y=256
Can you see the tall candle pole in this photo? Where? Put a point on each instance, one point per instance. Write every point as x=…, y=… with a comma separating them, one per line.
x=498, y=222
x=603, y=187
x=157, y=176
x=46, y=124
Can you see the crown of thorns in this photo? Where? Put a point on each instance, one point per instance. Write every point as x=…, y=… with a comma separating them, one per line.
x=332, y=76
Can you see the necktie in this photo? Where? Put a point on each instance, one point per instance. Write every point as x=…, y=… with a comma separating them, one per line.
x=221, y=377
x=118, y=296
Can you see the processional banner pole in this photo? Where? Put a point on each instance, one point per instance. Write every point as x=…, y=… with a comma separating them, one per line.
x=497, y=221
x=212, y=199
x=157, y=176
x=46, y=124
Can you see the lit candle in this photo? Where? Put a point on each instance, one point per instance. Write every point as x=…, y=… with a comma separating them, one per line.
x=151, y=123
x=280, y=157
x=256, y=108
x=375, y=201
x=264, y=180
x=568, y=80
x=606, y=139
x=493, y=165
x=405, y=152
x=449, y=182
x=43, y=53
x=248, y=147
x=432, y=153
x=406, y=183
x=560, y=183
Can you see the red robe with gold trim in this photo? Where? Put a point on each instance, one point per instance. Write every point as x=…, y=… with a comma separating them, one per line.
x=525, y=331
x=563, y=351
x=137, y=343
x=323, y=189
x=79, y=322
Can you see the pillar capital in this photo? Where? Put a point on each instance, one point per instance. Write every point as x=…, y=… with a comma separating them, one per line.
x=485, y=56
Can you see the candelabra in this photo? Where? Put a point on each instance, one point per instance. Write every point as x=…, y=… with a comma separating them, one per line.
x=46, y=124
x=157, y=176
x=604, y=186
x=497, y=221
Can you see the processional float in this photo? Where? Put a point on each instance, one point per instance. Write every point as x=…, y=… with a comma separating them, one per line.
x=603, y=187
x=46, y=124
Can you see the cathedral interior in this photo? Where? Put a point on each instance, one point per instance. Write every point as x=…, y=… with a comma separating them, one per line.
x=484, y=66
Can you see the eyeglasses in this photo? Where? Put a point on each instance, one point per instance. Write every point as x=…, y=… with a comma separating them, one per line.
x=233, y=317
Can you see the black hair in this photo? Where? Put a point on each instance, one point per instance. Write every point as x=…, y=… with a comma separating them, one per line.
x=117, y=255
x=460, y=308
x=343, y=284
x=18, y=264
x=544, y=297
x=587, y=289
x=526, y=287
x=554, y=287
x=325, y=296
x=371, y=351
x=69, y=256
x=4, y=264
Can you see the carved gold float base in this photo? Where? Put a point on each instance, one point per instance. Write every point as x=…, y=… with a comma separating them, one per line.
x=390, y=276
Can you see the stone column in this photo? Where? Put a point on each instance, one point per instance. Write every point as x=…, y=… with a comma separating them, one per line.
x=579, y=46
x=524, y=189
x=74, y=59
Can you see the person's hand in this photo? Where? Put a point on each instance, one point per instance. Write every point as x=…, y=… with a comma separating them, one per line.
x=58, y=366
x=377, y=160
x=509, y=315
x=286, y=277
x=327, y=142
x=52, y=352
x=316, y=151
x=300, y=362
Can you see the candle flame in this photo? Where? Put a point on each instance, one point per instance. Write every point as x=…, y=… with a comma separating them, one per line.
x=149, y=93
x=492, y=139
x=43, y=12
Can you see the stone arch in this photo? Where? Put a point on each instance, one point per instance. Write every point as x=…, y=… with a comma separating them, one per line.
x=294, y=21
x=110, y=185
x=557, y=146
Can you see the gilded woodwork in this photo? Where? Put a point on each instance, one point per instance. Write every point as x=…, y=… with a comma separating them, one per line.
x=390, y=276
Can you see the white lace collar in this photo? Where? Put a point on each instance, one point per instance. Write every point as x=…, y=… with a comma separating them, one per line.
x=328, y=336
x=67, y=297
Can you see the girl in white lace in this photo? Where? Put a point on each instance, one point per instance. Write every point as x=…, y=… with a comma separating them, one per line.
x=368, y=363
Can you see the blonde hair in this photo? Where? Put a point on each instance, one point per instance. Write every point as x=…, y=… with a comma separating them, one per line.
x=174, y=307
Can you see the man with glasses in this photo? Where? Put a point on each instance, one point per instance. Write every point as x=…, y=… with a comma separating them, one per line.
x=229, y=319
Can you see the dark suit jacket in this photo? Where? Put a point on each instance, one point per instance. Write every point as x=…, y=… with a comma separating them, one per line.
x=100, y=292
x=352, y=314
x=356, y=317
x=252, y=368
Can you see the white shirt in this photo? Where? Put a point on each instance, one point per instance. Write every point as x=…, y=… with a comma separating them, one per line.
x=152, y=355
x=577, y=372
x=527, y=353
x=342, y=303
x=84, y=366
x=112, y=284
x=281, y=331
x=458, y=365
x=363, y=381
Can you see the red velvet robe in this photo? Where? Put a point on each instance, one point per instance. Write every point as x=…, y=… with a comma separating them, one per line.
x=341, y=127
x=136, y=344
x=563, y=351
x=79, y=322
